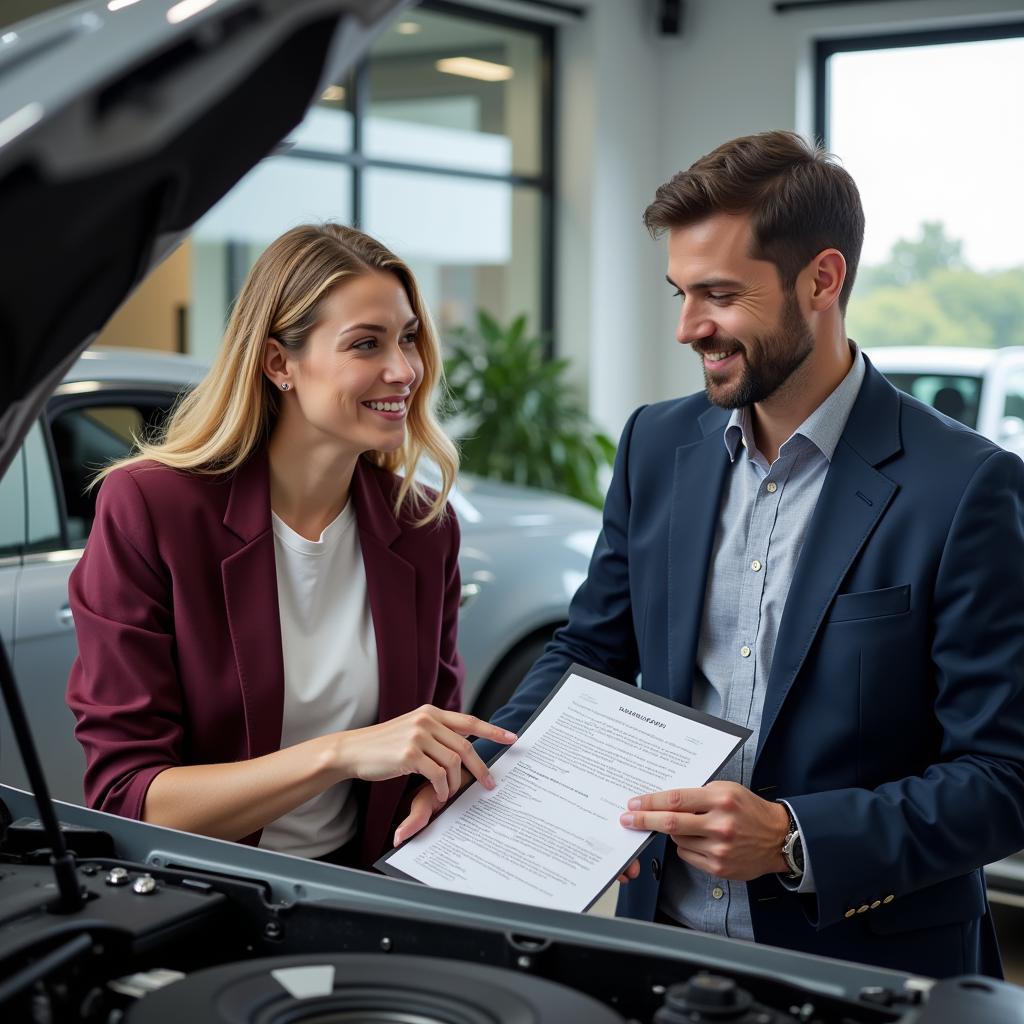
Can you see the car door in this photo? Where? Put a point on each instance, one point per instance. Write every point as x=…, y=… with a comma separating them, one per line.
x=84, y=429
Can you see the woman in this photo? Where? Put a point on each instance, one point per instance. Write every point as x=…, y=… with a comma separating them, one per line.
x=266, y=612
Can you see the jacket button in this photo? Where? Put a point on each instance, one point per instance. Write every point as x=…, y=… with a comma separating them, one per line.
x=656, y=868
x=876, y=904
x=850, y=912
x=889, y=898
x=863, y=908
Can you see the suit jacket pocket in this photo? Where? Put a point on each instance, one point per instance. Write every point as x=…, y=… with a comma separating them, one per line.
x=954, y=901
x=870, y=604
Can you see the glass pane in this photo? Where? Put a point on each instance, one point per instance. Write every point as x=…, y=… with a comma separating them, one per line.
x=472, y=244
x=12, y=507
x=327, y=126
x=1011, y=427
x=279, y=193
x=43, y=508
x=89, y=437
x=1013, y=402
x=957, y=397
x=454, y=92
x=938, y=164
x=275, y=195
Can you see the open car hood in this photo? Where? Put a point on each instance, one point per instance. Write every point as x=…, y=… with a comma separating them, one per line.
x=122, y=123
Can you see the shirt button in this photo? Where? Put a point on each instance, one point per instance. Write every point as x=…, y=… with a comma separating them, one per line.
x=755, y=565
x=718, y=892
x=744, y=651
x=771, y=487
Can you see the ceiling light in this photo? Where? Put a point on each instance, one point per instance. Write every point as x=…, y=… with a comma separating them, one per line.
x=117, y=5
x=408, y=28
x=470, y=67
x=333, y=93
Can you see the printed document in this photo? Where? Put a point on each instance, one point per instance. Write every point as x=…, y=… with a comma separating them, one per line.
x=548, y=834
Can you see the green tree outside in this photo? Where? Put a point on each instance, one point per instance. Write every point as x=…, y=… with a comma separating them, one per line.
x=925, y=294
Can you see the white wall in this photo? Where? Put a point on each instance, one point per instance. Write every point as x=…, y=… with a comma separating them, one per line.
x=634, y=109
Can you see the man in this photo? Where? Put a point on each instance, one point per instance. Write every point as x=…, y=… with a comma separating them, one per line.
x=809, y=553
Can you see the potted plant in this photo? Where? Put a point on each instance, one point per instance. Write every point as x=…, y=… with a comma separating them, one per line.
x=516, y=416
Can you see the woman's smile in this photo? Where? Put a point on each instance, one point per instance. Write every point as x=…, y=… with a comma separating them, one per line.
x=392, y=407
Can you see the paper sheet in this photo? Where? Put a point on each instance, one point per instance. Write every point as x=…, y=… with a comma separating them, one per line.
x=549, y=833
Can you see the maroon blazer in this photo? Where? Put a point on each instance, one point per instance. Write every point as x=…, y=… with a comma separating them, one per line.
x=179, y=637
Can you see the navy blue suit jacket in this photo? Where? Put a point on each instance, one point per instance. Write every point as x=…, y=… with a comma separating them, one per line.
x=894, y=714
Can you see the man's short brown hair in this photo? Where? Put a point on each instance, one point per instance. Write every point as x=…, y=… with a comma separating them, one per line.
x=800, y=201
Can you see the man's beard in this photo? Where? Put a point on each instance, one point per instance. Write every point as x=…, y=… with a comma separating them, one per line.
x=778, y=356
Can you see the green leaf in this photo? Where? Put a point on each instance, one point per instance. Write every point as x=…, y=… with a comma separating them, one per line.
x=527, y=423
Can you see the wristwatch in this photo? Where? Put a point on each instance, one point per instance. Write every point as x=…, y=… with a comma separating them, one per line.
x=793, y=849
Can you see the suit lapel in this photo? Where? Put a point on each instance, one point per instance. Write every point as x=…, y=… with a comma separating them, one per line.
x=853, y=498
x=698, y=479
x=249, y=577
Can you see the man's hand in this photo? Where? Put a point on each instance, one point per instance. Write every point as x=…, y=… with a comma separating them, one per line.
x=722, y=828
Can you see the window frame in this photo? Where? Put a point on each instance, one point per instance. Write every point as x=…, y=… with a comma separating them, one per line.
x=83, y=395
x=826, y=48
x=543, y=182
x=13, y=554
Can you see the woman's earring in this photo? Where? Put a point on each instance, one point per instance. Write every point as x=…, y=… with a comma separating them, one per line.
x=285, y=385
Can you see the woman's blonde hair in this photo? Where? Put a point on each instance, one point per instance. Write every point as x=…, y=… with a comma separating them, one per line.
x=220, y=423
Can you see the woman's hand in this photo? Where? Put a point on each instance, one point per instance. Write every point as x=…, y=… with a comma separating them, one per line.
x=428, y=742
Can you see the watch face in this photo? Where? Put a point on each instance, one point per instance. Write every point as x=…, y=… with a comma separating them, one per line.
x=798, y=853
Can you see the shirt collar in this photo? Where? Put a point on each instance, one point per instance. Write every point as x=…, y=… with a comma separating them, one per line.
x=822, y=428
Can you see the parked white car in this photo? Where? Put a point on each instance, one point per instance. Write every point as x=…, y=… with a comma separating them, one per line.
x=981, y=387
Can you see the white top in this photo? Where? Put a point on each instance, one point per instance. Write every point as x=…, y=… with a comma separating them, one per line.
x=330, y=669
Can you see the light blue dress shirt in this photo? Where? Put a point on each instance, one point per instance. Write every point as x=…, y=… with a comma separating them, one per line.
x=764, y=517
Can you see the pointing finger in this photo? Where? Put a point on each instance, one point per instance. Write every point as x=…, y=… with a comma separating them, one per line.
x=470, y=725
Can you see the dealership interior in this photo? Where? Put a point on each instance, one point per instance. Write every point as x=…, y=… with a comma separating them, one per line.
x=507, y=150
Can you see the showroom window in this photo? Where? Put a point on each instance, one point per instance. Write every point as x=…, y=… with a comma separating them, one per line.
x=440, y=145
x=925, y=125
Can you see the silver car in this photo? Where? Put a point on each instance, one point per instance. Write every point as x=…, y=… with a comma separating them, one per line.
x=524, y=552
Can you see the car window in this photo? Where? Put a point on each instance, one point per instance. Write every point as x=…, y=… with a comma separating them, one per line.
x=1013, y=404
x=42, y=501
x=956, y=395
x=88, y=436
x=12, y=508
